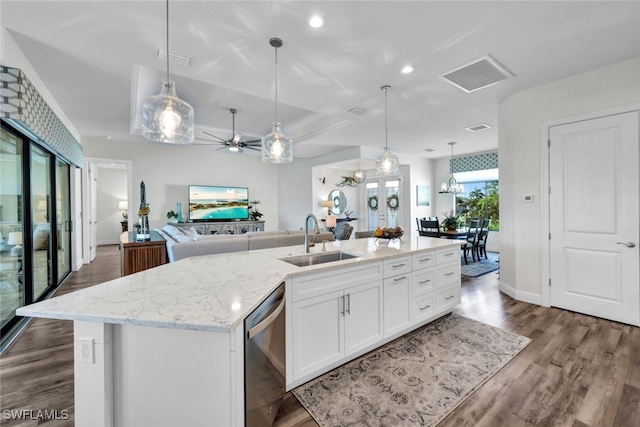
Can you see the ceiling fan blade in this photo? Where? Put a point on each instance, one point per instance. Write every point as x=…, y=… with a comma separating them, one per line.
x=253, y=148
x=216, y=137
x=253, y=141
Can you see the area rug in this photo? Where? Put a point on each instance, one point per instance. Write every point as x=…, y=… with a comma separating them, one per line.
x=415, y=380
x=481, y=267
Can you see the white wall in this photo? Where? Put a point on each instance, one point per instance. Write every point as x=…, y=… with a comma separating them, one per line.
x=111, y=188
x=519, y=123
x=167, y=170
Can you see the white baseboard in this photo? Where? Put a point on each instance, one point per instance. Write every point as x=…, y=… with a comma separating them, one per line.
x=520, y=295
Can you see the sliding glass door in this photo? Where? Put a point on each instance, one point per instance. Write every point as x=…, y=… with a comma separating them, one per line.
x=35, y=223
x=41, y=253
x=63, y=219
x=11, y=239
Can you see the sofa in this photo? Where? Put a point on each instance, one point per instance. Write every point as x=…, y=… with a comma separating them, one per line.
x=183, y=243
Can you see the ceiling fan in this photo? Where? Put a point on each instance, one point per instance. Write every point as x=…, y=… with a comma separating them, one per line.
x=234, y=144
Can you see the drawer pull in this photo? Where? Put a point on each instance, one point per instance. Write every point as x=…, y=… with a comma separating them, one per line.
x=425, y=281
x=397, y=279
x=449, y=297
x=449, y=274
x=399, y=265
x=425, y=307
x=424, y=259
x=449, y=254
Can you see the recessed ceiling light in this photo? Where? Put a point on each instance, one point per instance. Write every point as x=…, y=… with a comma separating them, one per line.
x=408, y=69
x=316, y=21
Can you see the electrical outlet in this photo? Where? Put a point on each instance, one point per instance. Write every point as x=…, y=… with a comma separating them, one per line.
x=87, y=351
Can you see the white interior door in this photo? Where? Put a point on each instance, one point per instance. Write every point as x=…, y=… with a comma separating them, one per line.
x=594, y=218
x=384, y=202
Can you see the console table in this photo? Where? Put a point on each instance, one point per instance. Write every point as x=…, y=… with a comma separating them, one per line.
x=139, y=255
x=222, y=227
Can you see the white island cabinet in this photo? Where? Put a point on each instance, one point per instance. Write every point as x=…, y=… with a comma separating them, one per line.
x=156, y=347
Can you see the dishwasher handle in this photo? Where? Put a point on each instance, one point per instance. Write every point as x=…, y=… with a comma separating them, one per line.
x=267, y=321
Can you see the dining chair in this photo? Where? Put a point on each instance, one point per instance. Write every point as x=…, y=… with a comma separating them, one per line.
x=471, y=239
x=342, y=231
x=483, y=233
x=429, y=228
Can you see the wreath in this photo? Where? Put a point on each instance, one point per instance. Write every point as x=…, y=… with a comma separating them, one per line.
x=373, y=203
x=393, y=202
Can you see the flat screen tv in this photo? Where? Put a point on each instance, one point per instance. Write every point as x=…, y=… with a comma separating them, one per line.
x=216, y=203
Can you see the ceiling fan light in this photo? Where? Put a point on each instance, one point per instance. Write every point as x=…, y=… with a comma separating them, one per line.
x=167, y=118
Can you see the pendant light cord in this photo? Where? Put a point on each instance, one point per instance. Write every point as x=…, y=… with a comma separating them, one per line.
x=386, y=132
x=276, y=72
x=168, y=42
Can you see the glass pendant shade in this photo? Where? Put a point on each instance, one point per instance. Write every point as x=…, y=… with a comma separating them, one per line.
x=277, y=147
x=387, y=163
x=359, y=176
x=167, y=118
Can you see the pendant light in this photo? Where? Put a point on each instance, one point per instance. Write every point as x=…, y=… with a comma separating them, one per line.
x=359, y=176
x=165, y=117
x=386, y=163
x=452, y=186
x=277, y=147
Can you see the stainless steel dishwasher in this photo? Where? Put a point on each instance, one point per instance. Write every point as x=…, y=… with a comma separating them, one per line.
x=264, y=360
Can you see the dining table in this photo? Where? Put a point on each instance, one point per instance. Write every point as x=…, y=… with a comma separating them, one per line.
x=454, y=234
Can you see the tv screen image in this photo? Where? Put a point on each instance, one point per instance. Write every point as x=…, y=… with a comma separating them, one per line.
x=211, y=203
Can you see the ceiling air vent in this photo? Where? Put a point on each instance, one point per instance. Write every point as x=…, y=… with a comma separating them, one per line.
x=476, y=128
x=479, y=74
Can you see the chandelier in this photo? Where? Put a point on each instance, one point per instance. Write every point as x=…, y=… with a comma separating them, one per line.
x=452, y=186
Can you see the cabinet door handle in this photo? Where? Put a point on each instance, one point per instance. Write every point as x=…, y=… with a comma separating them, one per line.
x=449, y=297
x=348, y=303
x=342, y=312
x=425, y=281
x=397, y=279
x=425, y=307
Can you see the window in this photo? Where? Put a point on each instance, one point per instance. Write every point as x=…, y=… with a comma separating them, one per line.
x=481, y=199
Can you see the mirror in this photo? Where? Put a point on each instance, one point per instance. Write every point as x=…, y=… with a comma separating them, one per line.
x=339, y=201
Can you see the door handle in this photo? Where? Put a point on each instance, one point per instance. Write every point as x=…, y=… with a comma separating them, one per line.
x=627, y=244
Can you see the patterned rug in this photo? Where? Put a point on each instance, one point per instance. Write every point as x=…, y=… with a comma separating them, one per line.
x=484, y=266
x=415, y=380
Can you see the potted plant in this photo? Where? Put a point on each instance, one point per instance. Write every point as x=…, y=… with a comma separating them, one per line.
x=172, y=216
x=254, y=213
x=450, y=221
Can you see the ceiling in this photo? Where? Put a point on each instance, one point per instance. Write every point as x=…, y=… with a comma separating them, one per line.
x=98, y=58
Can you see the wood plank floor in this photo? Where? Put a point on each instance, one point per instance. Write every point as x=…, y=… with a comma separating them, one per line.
x=578, y=371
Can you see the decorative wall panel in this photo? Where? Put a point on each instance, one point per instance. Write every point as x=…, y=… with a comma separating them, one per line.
x=22, y=104
x=474, y=163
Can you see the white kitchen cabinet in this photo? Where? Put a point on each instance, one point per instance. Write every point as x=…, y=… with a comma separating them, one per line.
x=327, y=328
x=397, y=304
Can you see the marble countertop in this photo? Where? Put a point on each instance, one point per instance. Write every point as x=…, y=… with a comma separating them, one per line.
x=211, y=292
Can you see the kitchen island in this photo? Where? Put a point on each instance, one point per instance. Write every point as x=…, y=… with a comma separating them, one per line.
x=165, y=346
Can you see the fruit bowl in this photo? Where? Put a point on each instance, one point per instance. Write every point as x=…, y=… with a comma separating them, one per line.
x=388, y=233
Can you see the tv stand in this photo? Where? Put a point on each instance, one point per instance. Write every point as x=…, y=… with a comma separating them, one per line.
x=222, y=227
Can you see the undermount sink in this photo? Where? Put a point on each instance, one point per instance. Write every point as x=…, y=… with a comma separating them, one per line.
x=318, y=258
